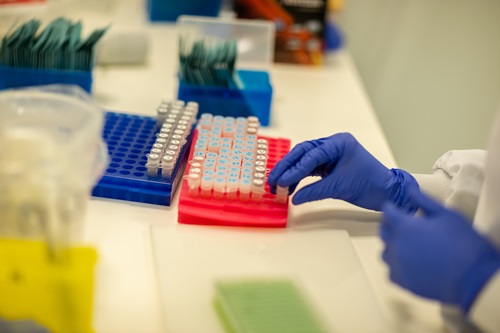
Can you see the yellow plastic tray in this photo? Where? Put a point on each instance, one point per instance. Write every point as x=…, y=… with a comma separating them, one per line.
x=57, y=294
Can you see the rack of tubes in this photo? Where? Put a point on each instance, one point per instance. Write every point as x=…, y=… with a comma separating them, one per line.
x=147, y=154
x=225, y=180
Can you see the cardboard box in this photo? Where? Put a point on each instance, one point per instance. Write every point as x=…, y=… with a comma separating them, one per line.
x=300, y=27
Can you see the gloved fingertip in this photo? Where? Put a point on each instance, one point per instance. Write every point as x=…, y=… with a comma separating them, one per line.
x=298, y=199
x=272, y=189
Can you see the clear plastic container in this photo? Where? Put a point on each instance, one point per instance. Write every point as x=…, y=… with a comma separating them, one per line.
x=255, y=38
x=51, y=154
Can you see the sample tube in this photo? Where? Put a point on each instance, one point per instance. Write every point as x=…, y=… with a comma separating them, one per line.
x=167, y=166
x=159, y=146
x=259, y=175
x=281, y=194
x=245, y=188
x=206, y=185
x=161, y=115
x=232, y=187
x=156, y=151
x=252, y=119
x=257, y=190
x=260, y=163
x=153, y=164
x=262, y=141
x=219, y=187
x=194, y=181
x=162, y=136
x=260, y=169
x=165, y=130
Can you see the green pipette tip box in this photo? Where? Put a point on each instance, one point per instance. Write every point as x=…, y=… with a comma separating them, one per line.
x=265, y=306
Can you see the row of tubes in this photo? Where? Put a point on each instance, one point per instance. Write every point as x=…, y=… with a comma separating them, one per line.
x=176, y=120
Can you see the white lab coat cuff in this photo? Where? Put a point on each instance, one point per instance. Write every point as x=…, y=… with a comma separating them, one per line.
x=484, y=311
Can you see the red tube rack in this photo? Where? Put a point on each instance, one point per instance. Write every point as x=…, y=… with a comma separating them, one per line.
x=224, y=212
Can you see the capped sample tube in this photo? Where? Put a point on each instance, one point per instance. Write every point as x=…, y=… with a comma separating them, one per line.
x=206, y=185
x=167, y=166
x=281, y=194
x=232, y=185
x=152, y=164
x=219, y=186
x=257, y=190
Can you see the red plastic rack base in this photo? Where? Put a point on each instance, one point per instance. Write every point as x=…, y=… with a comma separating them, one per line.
x=225, y=212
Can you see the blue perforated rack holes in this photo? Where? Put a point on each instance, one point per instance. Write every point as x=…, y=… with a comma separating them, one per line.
x=129, y=139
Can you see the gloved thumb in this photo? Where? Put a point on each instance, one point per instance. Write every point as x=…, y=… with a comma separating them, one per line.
x=312, y=192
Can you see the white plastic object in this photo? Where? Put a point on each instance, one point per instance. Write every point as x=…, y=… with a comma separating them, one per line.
x=153, y=164
x=257, y=190
x=61, y=128
x=167, y=166
x=206, y=185
x=281, y=194
x=194, y=181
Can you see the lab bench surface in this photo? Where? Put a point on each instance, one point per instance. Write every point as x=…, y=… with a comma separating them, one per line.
x=308, y=103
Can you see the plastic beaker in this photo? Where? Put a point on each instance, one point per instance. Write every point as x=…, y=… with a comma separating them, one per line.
x=51, y=154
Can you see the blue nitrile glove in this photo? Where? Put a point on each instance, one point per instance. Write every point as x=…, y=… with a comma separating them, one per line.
x=438, y=256
x=349, y=173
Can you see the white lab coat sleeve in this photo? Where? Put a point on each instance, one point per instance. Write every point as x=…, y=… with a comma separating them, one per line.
x=456, y=180
x=484, y=311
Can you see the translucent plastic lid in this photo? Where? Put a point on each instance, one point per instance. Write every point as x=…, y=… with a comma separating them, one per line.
x=255, y=38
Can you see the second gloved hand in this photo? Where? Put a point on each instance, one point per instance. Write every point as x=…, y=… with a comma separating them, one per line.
x=438, y=256
x=348, y=172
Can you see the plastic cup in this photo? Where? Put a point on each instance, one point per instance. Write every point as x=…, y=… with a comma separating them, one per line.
x=44, y=193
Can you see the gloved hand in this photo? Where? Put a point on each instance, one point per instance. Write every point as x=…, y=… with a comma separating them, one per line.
x=349, y=173
x=439, y=256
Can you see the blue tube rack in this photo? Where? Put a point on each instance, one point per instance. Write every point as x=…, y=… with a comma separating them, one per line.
x=18, y=77
x=252, y=98
x=129, y=139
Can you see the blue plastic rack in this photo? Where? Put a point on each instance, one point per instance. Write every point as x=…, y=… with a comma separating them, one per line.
x=130, y=138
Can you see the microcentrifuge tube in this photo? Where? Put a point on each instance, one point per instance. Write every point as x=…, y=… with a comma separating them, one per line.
x=195, y=164
x=253, y=119
x=165, y=130
x=161, y=115
x=167, y=125
x=261, y=152
x=178, y=103
x=259, y=163
x=261, y=158
x=281, y=194
x=153, y=164
x=162, y=135
x=158, y=146
x=175, y=142
x=198, y=159
x=161, y=141
x=257, y=189
x=206, y=185
x=260, y=169
x=261, y=146
x=156, y=151
x=194, y=181
x=219, y=187
x=232, y=187
x=245, y=188
x=195, y=170
x=167, y=166
x=259, y=175
x=173, y=147
x=262, y=141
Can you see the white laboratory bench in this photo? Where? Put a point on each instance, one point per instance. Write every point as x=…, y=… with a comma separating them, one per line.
x=308, y=103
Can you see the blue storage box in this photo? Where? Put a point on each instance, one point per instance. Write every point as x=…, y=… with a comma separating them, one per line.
x=15, y=77
x=252, y=96
x=170, y=10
